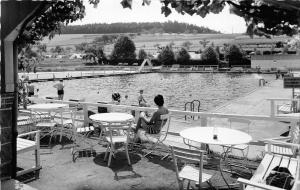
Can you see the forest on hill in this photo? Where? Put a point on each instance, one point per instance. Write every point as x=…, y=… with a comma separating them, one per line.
x=134, y=27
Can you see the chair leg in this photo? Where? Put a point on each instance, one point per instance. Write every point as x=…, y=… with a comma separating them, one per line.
x=106, y=152
x=127, y=154
x=109, y=158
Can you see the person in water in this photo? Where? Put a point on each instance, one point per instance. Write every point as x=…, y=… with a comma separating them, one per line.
x=152, y=125
x=141, y=100
x=60, y=89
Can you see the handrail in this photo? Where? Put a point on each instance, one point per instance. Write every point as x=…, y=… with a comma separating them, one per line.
x=202, y=115
x=192, y=107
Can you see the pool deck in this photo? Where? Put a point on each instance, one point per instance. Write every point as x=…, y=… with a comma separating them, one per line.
x=89, y=173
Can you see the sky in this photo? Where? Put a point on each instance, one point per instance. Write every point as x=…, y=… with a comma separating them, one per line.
x=110, y=11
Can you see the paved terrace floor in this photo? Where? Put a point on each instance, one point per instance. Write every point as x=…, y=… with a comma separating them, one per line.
x=89, y=173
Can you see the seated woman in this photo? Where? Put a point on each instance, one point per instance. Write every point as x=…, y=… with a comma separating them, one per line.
x=152, y=126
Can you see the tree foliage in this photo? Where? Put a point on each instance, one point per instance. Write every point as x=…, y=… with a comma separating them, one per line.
x=210, y=55
x=234, y=55
x=262, y=17
x=166, y=56
x=124, y=48
x=142, y=54
x=182, y=56
x=94, y=53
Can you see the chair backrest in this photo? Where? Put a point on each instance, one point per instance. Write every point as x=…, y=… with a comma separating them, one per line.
x=188, y=156
x=165, y=125
x=118, y=129
x=239, y=120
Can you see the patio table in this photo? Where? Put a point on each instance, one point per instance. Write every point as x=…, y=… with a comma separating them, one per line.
x=112, y=117
x=225, y=136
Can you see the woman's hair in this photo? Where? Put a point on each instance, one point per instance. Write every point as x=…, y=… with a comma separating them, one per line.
x=116, y=96
x=159, y=100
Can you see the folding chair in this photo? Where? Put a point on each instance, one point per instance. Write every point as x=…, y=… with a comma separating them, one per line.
x=117, y=133
x=244, y=148
x=159, y=138
x=189, y=171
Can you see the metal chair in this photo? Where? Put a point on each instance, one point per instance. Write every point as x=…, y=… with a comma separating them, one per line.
x=159, y=138
x=189, y=172
x=117, y=133
x=244, y=148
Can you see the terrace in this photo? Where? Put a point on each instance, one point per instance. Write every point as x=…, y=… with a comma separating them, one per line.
x=91, y=171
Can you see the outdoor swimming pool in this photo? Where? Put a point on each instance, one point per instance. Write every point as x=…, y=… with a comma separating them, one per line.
x=177, y=88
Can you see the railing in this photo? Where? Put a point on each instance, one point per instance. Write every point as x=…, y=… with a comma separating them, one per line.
x=192, y=107
x=202, y=115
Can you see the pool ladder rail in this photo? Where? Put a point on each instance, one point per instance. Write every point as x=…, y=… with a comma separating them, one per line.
x=193, y=106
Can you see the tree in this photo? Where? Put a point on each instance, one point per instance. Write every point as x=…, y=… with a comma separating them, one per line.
x=142, y=54
x=166, y=56
x=182, y=56
x=94, y=54
x=210, y=55
x=234, y=55
x=124, y=48
x=187, y=44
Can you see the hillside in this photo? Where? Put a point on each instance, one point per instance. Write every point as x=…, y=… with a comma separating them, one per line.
x=133, y=27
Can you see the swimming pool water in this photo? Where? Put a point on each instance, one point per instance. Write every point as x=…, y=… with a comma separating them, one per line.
x=178, y=88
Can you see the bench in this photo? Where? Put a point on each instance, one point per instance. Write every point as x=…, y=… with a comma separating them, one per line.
x=270, y=161
x=25, y=145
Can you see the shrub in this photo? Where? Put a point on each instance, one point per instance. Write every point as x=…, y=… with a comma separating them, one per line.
x=210, y=55
x=142, y=54
x=182, y=56
x=124, y=48
x=166, y=56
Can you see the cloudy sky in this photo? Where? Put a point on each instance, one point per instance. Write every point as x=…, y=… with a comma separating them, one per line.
x=109, y=11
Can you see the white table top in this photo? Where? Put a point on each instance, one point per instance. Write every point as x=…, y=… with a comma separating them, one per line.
x=46, y=107
x=111, y=117
x=226, y=136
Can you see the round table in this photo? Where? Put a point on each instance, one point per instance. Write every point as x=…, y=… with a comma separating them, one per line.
x=226, y=136
x=46, y=107
x=111, y=117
